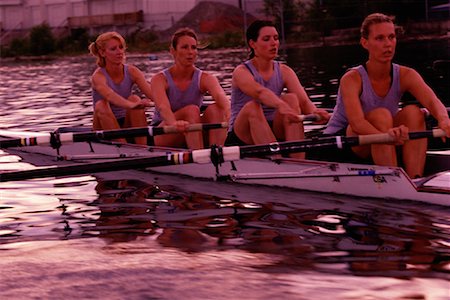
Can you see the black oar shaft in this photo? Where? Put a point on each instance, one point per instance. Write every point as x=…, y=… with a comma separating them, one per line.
x=70, y=137
x=216, y=154
x=105, y=166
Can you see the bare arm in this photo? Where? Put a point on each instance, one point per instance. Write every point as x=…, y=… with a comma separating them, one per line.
x=350, y=90
x=412, y=82
x=159, y=96
x=244, y=80
x=139, y=78
x=293, y=85
x=210, y=84
x=100, y=84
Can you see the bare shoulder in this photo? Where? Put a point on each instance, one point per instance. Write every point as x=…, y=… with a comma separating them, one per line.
x=206, y=76
x=410, y=79
x=240, y=68
x=98, y=76
x=159, y=80
x=352, y=76
x=285, y=67
x=159, y=76
x=286, y=70
x=133, y=70
x=97, y=72
x=407, y=71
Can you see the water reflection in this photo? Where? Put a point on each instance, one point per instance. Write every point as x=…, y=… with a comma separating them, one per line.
x=193, y=234
x=123, y=208
x=368, y=240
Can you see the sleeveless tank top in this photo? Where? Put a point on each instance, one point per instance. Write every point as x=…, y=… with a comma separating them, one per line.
x=122, y=88
x=239, y=98
x=369, y=100
x=178, y=98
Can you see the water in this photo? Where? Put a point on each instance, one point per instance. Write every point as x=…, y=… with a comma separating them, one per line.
x=119, y=235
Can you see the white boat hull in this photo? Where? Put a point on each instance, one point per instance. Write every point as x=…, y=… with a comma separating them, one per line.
x=337, y=178
x=358, y=180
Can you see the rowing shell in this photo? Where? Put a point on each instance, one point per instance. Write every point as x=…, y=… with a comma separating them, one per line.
x=358, y=180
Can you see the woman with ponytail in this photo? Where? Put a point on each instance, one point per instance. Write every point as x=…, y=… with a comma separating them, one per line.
x=115, y=105
x=261, y=111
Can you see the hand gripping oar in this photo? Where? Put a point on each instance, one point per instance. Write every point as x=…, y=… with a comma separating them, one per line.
x=214, y=155
x=310, y=117
x=54, y=138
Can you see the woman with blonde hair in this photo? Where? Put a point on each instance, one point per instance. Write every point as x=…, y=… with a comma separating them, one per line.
x=115, y=105
x=178, y=94
x=369, y=96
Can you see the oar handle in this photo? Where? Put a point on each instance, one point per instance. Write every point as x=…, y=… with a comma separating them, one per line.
x=384, y=138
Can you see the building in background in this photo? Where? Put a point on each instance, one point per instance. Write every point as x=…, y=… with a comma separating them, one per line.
x=19, y=16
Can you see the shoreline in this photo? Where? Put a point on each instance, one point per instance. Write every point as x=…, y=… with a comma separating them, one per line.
x=335, y=41
x=329, y=41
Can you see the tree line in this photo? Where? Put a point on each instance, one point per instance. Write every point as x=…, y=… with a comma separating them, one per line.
x=301, y=20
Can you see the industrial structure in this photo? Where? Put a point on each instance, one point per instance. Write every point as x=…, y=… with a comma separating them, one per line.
x=19, y=16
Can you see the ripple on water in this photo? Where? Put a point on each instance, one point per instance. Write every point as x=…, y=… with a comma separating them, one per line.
x=93, y=233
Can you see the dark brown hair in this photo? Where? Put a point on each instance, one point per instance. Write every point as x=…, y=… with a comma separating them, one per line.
x=252, y=33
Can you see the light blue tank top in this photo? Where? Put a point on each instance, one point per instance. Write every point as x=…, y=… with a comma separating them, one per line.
x=123, y=88
x=178, y=98
x=369, y=100
x=239, y=98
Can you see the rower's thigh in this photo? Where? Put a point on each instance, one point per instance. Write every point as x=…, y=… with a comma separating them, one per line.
x=362, y=151
x=102, y=107
x=213, y=114
x=190, y=113
x=251, y=112
x=411, y=116
x=292, y=100
x=135, y=117
x=279, y=122
x=170, y=140
x=381, y=118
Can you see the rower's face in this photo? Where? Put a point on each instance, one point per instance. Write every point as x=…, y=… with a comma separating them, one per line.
x=114, y=52
x=381, y=41
x=186, y=50
x=267, y=43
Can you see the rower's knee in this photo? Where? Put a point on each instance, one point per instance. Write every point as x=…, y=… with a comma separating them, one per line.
x=253, y=110
x=102, y=108
x=381, y=118
x=413, y=117
x=214, y=114
x=191, y=113
x=292, y=100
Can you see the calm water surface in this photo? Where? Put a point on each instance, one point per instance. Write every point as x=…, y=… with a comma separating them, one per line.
x=117, y=235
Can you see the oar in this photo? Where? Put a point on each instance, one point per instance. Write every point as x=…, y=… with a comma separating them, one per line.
x=55, y=138
x=214, y=155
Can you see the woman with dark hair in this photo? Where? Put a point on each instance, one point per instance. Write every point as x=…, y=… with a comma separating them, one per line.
x=369, y=95
x=112, y=82
x=261, y=112
x=178, y=94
